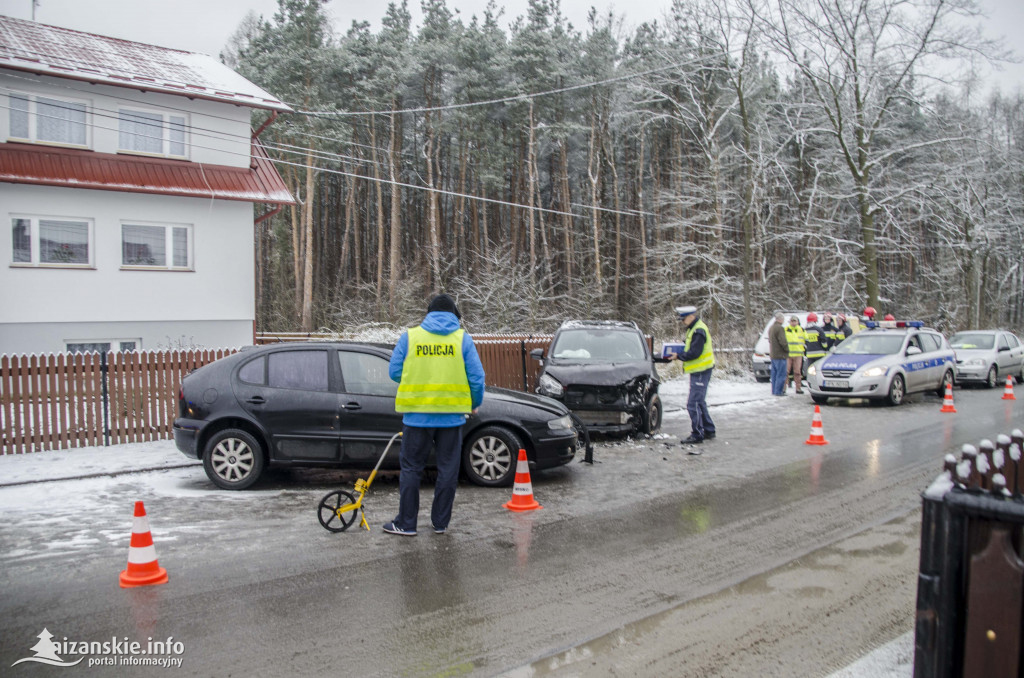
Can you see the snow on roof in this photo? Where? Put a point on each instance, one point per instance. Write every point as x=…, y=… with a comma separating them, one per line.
x=64, y=53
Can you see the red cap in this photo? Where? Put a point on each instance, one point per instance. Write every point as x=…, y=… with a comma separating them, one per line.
x=889, y=316
x=812, y=317
x=842, y=316
x=869, y=311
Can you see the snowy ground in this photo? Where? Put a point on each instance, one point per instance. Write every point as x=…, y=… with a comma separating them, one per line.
x=19, y=474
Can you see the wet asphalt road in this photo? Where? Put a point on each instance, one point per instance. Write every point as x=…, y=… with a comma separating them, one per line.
x=258, y=588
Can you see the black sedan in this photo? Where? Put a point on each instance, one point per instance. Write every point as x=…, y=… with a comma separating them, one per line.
x=333, y=405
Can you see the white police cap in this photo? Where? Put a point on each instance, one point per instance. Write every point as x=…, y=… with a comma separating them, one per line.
x=683, y=311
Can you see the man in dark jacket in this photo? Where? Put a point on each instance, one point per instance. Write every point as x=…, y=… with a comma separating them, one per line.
x=778, y=351
x=440, y=381
x=828, y=328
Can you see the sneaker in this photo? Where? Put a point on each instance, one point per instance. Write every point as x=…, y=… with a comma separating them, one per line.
x=439, y=530
x=391, y=528
x=709, y=436
x=692, y=440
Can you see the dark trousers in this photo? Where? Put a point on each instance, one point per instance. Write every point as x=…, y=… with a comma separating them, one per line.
x=697, y=406
x=416, y=445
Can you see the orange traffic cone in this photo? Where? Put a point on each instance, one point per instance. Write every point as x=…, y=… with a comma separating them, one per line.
x=1008, y=391
x=522, y=491
x=817, y=433
x=947, y=402
x=143, y=569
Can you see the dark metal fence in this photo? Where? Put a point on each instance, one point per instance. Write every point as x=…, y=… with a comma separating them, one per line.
x=970, y=592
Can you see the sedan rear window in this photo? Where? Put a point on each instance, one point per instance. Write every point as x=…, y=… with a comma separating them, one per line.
x=306, y=370
x=871, y=344
x=972, y=340
x=598, y=345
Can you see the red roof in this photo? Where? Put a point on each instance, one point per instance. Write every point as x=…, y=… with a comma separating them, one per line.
x=64, y=53
x=75, y=168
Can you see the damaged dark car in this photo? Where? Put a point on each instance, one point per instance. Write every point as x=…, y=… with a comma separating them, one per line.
x=604, y=372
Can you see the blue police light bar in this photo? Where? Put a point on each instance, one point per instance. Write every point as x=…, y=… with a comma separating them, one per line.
x=892, y=324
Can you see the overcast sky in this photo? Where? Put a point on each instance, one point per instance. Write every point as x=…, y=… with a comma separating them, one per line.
x=205, y=25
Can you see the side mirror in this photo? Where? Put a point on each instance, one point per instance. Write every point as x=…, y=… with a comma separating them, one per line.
x=913, y=350
x=537, y=354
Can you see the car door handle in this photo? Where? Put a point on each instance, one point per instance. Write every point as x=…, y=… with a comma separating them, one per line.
x=352, y=406
x=255, y=400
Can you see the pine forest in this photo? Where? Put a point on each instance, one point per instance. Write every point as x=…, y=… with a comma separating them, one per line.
x=739, y=155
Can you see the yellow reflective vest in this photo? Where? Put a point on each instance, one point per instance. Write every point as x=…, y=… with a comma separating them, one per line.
x=795, y=338
x=434, y=375
x=706, y=360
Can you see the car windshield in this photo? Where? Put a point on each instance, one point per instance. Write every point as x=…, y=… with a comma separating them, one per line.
x=972, y=340
x=871, y=344
x=590, y=344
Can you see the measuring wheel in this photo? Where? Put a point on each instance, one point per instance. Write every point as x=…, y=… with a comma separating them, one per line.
x=328, y=513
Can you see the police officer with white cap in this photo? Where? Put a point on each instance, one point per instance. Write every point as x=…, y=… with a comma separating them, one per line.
x=698, y=360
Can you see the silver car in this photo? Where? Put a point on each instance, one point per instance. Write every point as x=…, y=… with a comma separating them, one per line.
x=987, y=356
x=885, y=363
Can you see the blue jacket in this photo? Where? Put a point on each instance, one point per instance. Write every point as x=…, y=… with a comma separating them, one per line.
x=441, y=322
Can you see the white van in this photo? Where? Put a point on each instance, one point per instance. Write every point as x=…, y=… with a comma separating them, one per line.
x=762, y=363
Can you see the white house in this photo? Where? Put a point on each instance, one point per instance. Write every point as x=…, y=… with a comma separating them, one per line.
x=130, y=182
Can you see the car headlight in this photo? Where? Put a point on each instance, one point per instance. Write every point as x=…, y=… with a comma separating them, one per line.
x=812, y=370
x=550, y=386
x=560, y=423
x=975, y=361
x=875, y=372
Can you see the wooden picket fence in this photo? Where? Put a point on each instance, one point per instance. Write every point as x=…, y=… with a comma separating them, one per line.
x=61, y=401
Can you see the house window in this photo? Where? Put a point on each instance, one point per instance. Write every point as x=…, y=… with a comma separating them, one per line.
x=102, y=345
x=164, y=246
x=45, y=241
x=56, y=121
x=151, y=132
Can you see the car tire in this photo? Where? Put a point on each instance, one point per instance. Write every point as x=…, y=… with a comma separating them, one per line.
x=763, y=380
x=819, y=399
x=897, y=391
x=233, y=459
x=992, y=378
x=947, y=378
x=489, y=456
x=652, y=416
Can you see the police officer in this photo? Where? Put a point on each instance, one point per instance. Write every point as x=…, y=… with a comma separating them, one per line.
x=795, y=338
x=814, y=339
x=440, y=381
x=698, y=358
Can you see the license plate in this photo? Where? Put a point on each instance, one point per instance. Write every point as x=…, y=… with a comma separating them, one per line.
x=836, y=383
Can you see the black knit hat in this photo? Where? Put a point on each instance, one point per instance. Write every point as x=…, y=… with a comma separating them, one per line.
x=442, y=302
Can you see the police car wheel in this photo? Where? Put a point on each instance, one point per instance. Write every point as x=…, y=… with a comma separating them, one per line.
x=490, y=455
x=947, y=380
x=992, y=380
x=897, y=389
x=819, y=399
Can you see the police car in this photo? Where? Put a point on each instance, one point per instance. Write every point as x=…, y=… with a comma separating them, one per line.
x=885, y=362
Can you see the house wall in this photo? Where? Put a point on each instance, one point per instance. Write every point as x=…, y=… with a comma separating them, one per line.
x=217, y=133
x=212, y=305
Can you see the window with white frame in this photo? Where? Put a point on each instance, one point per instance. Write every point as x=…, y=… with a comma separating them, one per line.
x=45, y=119
x=151, y=132
x=163, y=246
x=51, y=241
x=102, y=345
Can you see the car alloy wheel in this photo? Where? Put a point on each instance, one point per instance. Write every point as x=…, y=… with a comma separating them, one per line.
x=947, y=380
x=896, y=391
x=233, y=459
x=490, y=455
x=992, y=380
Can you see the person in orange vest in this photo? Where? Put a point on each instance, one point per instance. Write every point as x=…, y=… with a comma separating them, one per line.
x=440, y=382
